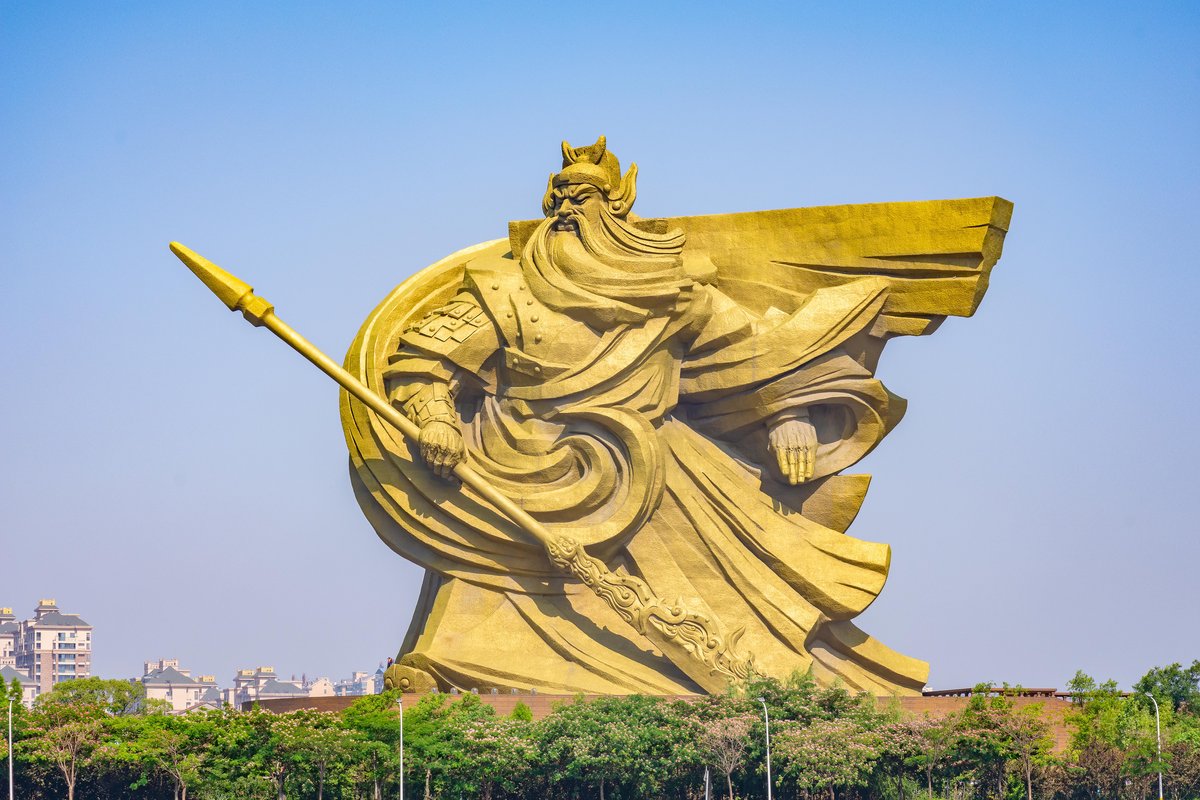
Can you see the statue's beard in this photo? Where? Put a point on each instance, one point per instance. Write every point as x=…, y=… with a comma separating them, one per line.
x=605, y=273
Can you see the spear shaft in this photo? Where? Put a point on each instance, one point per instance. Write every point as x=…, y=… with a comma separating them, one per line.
x=708, y=654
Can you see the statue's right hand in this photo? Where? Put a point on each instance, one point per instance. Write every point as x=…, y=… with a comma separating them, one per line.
x=442, y=447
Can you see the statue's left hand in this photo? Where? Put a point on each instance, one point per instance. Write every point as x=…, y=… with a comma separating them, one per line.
x=794, y=443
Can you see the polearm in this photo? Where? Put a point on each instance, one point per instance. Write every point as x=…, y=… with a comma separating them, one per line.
x=704, y=652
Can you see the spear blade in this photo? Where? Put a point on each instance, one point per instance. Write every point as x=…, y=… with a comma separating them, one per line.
x=228, y=288
x=231, y=290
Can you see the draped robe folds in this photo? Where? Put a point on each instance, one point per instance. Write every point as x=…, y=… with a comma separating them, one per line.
x=646, y=440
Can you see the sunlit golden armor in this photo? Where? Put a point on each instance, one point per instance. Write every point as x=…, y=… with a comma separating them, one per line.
x=665, y=408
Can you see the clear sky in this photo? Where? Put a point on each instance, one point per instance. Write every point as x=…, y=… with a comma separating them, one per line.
x=179, y=478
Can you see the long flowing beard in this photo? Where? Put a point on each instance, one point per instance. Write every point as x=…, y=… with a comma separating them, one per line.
x=606, y=274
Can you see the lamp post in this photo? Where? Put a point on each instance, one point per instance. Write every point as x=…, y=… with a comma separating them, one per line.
x=10, y=750
x=400, y=702
x=1158, y=736
x=767, y=722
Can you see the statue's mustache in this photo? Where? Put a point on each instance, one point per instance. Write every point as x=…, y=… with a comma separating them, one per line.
x=569, y=219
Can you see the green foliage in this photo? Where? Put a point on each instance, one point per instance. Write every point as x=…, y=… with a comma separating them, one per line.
x=521, y=712
x=118, y=698
x=100, y=739
x=632, y=746
x=1174, y=685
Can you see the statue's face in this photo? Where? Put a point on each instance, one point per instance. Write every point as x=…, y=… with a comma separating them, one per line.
x=573, y=201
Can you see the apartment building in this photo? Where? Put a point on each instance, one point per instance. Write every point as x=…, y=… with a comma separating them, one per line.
x=261, y=684
x=164, y=680
x=28, y=691
x=50, y=648
x=8, y=638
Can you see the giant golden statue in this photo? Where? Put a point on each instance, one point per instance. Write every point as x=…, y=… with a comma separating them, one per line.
x=669, y=404
x=615, y=444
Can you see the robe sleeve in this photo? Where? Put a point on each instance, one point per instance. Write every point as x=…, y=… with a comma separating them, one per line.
x=742, y=370
x=450, y=346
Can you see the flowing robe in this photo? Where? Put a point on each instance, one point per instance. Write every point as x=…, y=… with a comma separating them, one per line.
x=647, y=443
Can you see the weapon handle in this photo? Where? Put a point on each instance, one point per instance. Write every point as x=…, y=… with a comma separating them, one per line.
x=401, y=423
x=705, y=653
x=709, y=656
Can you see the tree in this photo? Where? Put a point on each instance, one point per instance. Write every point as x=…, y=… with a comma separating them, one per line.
x=64, y=736
x=635, y=744
x=375, y=721
x=522, y=712
x=490, y=754
x=1175, y=685
x=1183, y=775
x=317, y=741
x=981, y=739
x=176, y=746
x=933, y=740
x=1029, y=741
x=724, y=742
x=827, y=754
x=112, y=697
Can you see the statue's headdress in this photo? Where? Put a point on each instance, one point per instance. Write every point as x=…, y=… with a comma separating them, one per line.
x=595, y=165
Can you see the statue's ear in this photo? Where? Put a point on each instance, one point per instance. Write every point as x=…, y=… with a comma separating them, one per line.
x=621, y=201
x=548, y=197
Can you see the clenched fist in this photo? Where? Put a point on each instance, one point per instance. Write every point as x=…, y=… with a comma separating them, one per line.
x=442, y=447
x=793, y=440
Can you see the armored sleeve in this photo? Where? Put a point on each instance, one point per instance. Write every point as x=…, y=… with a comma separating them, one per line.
x=435, y=354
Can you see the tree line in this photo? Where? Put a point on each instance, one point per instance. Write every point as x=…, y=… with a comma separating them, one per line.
x=94, y=739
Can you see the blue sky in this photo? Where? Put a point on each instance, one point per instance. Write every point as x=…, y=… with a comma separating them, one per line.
x=179, y=478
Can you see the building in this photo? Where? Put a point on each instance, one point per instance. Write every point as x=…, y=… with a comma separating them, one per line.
x=50, y=648
x=164, y=680
x=28, y=690
x=360, y=683
x=8, y=638
x=251, y=685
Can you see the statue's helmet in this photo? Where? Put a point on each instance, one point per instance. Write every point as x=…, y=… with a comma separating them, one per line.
x=597, y=166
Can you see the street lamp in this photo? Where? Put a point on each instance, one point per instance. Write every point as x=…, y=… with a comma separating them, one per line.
x=400, y=702
x=10, y=750
x=1158, y=735
x=767, y=721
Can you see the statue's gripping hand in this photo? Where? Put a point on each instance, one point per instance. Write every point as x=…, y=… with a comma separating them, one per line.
x=431, y=406
x=442, y=447
x=793, y=441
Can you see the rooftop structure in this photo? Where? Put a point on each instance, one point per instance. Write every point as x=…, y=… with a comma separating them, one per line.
x=8, y=638
x=252, y=685
x=28, y=690
x=165, y=681
x=360, y=683
x=49, y=648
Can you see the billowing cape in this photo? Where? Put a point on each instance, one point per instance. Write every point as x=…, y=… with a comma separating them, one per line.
x=810, y=296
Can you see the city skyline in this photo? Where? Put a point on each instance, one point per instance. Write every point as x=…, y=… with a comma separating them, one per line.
x=180, y=479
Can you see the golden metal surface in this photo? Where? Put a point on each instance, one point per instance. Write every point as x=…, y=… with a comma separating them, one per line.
x=706, y=654
x=680, y=397
x=568, y=425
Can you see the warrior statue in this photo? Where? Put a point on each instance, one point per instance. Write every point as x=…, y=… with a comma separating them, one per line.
x=677, y=396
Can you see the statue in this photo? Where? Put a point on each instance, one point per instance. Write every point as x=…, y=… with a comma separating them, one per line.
x=571, y=426
x=673, y=401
